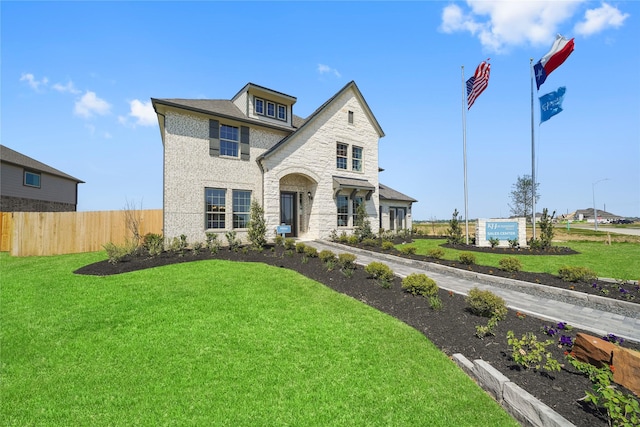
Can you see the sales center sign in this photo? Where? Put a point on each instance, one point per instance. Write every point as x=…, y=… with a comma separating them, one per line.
x=502, y=230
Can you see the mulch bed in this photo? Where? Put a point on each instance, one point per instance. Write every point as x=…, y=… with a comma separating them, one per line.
x=452, y=329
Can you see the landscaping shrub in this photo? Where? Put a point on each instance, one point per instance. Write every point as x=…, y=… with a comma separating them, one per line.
x=310, y=251
x=179, y=244
x=435, y=302
x=486, y=304
x=510, y=264
x=289, y=244
x=370, y=242
x=233, y=242
x=300, y=247
x=436, y=253
x=196, y=247
x=576, y=274
x=347, y=262
x=387, y=245
x=257, y=226
x=408, y=250
x=326, y=255
x=380, y=272
x=279, y=240
x=494, y=242
x=153, y=243
x=212, y=243
x=529, y=352
x=115, y=253
x=467, y=258
x=420, y=284
x=454, y=232
x=353, y=239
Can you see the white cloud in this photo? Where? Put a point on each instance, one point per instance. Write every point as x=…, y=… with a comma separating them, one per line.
x=597, y=20
x=323, y=69
x=31, y=81
x=143, y=113
x=500, y=25
x=90, y=104
x=69, y=87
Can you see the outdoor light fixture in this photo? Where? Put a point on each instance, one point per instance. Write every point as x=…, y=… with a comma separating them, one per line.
x=309, y=195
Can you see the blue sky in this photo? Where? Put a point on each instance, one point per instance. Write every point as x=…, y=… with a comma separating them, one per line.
x=77, y=78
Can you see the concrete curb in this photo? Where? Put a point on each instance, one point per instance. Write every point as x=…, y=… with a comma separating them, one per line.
x=520, y=404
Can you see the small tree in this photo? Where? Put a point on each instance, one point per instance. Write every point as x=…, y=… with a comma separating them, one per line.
x=454, y=232
x=546, y=229
x=362, y=225
x=257, y=226
x=522, y=196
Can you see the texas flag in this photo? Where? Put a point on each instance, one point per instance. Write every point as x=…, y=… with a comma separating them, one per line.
x=560, y=51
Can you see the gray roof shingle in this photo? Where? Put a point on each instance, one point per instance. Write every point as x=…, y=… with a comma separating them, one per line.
x=8, y=155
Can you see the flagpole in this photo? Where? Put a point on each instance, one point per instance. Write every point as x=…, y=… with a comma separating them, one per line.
x=464, y=155
x=533, y=158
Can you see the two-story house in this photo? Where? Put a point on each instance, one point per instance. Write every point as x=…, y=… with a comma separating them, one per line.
x=28, y=185
x=310, y=174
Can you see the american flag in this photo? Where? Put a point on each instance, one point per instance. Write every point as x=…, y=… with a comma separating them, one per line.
x=478, y=82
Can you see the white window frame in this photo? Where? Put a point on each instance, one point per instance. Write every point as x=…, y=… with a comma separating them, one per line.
x=245, y=214
x=226, y=141
x=355, y=160
x=271, y=109
x=219, y=209
x=259, y=110
x=342, y=158
x=32, y=174
x=281, y=108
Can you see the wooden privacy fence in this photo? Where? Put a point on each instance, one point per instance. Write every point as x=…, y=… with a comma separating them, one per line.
x=54, y=233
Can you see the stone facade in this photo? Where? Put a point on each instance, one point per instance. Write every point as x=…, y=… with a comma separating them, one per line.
x=20, y=204
x=298, y=161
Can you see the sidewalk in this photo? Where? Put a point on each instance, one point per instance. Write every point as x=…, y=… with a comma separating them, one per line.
x=598, y=315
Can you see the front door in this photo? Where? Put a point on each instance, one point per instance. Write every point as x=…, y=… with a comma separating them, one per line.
x=288, y=212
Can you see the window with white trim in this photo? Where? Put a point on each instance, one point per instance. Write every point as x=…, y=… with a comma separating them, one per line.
x=342, y=151
x=241, y=208
x=271, y=109
x=229, y=140
x=343, y=210
x=31, y=179
x=356, y=159
x=259, y=106
x=282, y=112
x=215, y=200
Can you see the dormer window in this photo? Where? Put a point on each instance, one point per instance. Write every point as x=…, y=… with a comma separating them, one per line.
x=264, y=107
x=259, y=106
x=282, y=112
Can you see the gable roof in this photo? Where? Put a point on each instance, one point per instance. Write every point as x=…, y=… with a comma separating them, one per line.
x=7, y=155
x=389, y=193
x=310, y=119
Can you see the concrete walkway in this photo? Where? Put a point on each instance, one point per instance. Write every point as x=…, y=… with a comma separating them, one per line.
x=595, y=314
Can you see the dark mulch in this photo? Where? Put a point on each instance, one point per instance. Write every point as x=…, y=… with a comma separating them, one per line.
x=452, y=328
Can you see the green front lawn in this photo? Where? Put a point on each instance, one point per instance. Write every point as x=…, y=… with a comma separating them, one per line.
x=215, y=343
x=617, y=261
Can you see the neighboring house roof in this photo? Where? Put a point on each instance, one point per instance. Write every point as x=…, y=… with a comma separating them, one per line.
x=391, y=194
x=7, y=155
x=320, y=109
x=588, y=213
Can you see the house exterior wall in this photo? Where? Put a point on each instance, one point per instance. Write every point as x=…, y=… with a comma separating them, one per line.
x=55, y=194
x=385, y=206
x=311, y=153
x=189, y=169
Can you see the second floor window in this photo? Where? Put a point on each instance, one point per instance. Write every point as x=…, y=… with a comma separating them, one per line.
x=356, y=159
x=31, y=179
x=342, y=151
x=229, y=140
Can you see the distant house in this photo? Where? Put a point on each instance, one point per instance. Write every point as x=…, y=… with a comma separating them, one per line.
x=27, y=185
x=308, y=174
x=587, y=215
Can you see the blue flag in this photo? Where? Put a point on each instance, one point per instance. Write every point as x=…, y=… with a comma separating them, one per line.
x=551, y=104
